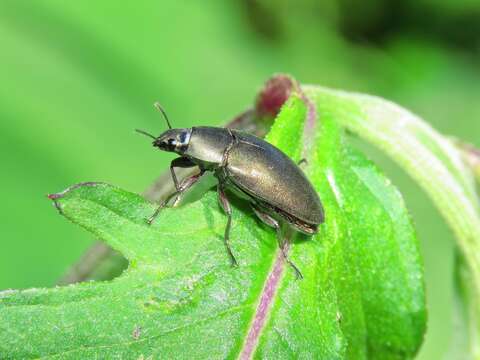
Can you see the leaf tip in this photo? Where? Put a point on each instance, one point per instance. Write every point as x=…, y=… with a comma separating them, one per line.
x=57, y=196
x=53, y=196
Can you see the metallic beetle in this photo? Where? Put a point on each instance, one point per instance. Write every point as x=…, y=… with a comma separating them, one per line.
x=251, y=168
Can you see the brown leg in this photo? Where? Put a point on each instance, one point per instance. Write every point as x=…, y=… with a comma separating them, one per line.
x=223, y=200
x=180, y=162
x=270, y=221
x=184, y=186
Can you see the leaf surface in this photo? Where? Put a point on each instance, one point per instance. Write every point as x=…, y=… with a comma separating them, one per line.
x=362, y=294
x=444, y=168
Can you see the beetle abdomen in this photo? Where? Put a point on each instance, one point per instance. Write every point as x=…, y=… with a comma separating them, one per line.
x=266, y=173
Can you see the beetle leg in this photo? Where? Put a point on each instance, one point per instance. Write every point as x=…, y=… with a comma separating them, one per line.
x=302, y=161
x=184, y=186
x=223, y=200
x=181, y=162
x=270, y=221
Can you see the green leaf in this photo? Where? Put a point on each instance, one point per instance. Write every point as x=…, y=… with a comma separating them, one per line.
x=361, y=297
x=445, y=169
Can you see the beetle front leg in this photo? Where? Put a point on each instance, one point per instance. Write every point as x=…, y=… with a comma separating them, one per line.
x=184, y=186
x=270, y=221
x=181, y=162
x=223, y=200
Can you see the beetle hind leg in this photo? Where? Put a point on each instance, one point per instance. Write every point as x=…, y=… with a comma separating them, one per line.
x=225, y=204
x=270, y=221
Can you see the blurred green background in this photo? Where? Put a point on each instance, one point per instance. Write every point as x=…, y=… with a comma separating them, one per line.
x=77, y=77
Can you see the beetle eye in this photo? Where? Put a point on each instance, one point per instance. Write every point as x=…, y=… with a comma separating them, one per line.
x=182, y=137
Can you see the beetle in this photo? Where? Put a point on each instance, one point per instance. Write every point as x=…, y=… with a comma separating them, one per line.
x=251, y=168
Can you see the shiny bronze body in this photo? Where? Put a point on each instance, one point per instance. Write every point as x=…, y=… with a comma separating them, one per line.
x=270, y=179
x=250, y=167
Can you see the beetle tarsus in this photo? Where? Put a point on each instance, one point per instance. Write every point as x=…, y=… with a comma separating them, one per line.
x=302, y=161
x=234, y=261
x=270, y=221
x=298, y=273
x=151, y=219
x=282, y=243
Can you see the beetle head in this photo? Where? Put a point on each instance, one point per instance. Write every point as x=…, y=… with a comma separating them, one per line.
x=173, y=140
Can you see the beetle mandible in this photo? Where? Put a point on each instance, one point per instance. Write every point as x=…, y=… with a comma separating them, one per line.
x=253, y=169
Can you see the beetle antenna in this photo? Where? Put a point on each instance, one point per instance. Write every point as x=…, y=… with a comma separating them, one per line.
x=145, y=133
x=160, y=108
